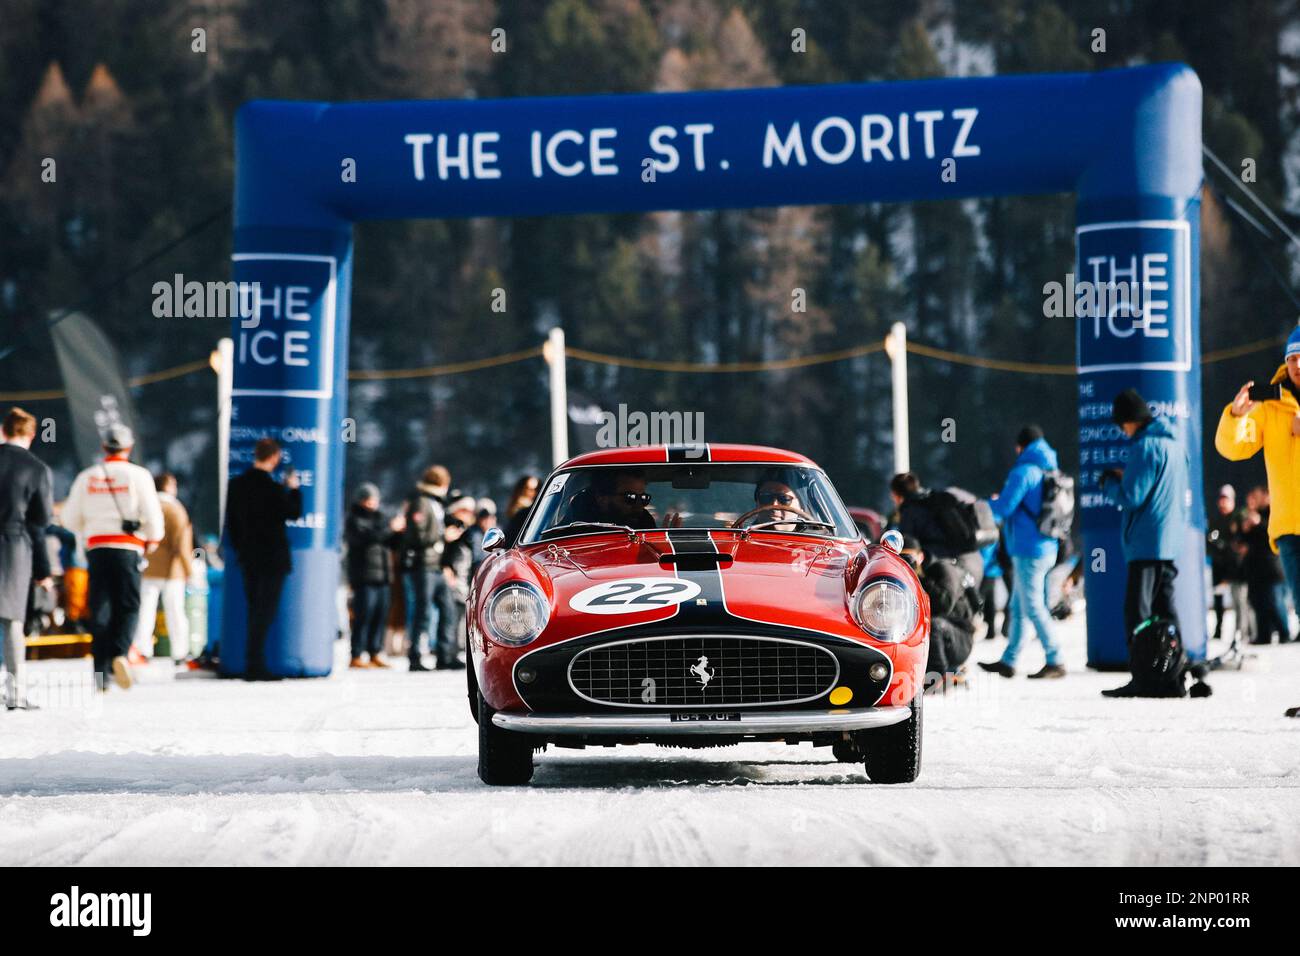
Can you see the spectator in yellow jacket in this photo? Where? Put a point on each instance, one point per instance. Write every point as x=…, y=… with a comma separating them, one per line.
x=1247, y=425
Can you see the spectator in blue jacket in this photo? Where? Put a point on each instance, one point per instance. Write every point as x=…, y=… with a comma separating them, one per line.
x=1151, y=493
x=1033, y=554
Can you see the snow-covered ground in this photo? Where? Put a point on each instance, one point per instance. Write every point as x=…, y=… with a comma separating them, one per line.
x=379, y=768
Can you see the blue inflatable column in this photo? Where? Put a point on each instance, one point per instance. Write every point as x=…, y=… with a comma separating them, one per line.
x=290, y=384
x=1138, y=225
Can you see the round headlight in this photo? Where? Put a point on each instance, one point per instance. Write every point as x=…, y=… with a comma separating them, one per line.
x=516, y=614
x=885, y=609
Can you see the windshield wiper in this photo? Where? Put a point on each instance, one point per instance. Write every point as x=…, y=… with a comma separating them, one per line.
x=602, y=525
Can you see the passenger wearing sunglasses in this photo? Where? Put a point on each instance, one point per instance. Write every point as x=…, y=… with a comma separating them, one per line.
x=621, y=498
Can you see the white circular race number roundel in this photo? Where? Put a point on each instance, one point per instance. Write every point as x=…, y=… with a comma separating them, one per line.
x=630, y=595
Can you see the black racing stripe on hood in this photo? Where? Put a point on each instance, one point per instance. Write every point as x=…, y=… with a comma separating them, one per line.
x=713, y=612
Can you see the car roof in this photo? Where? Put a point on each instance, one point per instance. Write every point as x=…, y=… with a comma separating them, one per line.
x=661, y=454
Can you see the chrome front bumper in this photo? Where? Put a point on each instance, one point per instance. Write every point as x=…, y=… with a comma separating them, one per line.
x=736, y=724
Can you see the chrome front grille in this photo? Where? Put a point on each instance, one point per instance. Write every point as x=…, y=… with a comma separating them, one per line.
x=703, y=671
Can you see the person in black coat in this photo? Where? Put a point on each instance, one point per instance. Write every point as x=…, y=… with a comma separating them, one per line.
x=26, y=507
x=1262, y=568
x=1221, y=546
x=954, y=605
x=425, y=585
x=257, y=506
x=369, y=540
x=921, y=515
x=519, y=506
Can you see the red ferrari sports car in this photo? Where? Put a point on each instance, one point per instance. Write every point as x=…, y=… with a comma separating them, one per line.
x=695, y=597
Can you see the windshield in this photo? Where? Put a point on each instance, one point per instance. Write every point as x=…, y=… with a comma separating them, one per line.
x=779, y=498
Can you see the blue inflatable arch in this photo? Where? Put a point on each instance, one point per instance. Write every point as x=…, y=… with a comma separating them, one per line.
x=1126, y=142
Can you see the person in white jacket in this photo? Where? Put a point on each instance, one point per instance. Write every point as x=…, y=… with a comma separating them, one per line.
x=113, y=509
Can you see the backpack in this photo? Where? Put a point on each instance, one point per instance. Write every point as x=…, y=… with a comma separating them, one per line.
x=965, y=522
x=1157, y=658
x=1057, y=513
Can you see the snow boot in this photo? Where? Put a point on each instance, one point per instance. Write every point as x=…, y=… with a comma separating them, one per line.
x=1048, y=671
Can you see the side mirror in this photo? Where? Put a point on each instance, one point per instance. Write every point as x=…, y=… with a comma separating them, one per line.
x=893, y=540
x=493, y=538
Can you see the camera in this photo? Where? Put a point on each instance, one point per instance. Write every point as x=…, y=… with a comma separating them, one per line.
x=1263, y=393
x=130, y=526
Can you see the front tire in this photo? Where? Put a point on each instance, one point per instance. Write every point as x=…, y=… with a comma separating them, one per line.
x=893, y=754
x=471, y=689
x=846, y=751
x=505, y=759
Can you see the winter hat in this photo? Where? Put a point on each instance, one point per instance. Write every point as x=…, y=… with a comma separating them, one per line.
x=463, y=504
x=367, y=490
x=117, y=437
x=1229, y=492
x=1129, y=406
x=1293, y=342
x=1028, y=435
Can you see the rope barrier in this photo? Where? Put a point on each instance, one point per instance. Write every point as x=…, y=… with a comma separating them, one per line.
x=656, y=365
x=176, y=371
x=451, y=368
x=1032, y=368
x=1221, y=355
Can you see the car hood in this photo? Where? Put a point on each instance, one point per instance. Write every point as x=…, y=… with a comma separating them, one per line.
x=780, y=580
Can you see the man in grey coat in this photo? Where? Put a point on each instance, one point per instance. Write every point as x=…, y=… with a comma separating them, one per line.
x=26, y=507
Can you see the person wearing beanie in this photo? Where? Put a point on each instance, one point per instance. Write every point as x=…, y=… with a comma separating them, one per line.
x=425, y=585
x=1130, y=406
x=484, y=519
x=1028, y=435
x=1249, y=424
x=1151, y=492
x=369, y=539
x=1033, y=554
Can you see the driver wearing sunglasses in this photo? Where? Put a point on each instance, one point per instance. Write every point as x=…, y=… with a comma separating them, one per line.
x=773, y=494
x=622, y=499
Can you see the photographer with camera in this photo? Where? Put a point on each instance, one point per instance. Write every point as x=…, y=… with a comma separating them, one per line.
x=1151, y=492
x=257, y=507
x=113, y=508
x=954, y=605
x=1268, y=417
